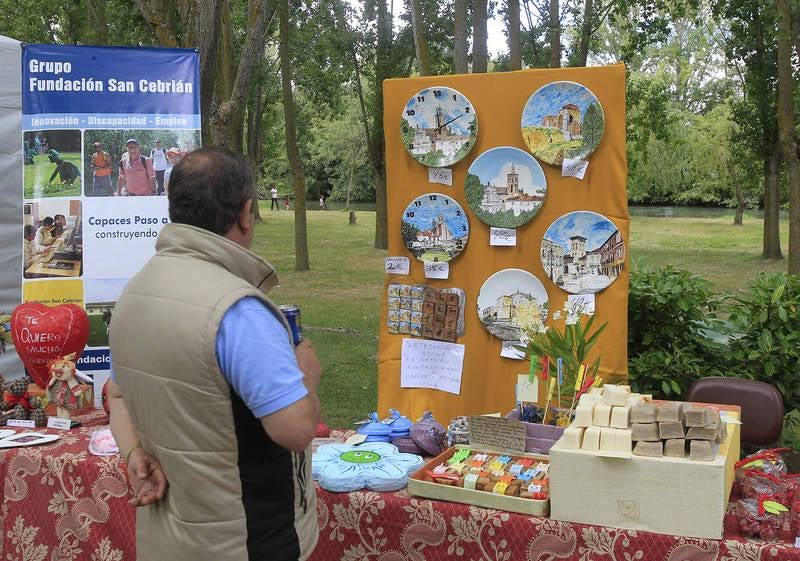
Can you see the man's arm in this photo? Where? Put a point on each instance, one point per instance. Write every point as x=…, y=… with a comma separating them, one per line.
x=121, y=179
x=151, y=174
x=55, y=172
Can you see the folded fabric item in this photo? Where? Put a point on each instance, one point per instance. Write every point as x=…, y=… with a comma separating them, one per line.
x=376, y=466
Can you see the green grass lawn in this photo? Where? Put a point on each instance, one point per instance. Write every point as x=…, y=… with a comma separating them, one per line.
x=340, y=297
x=97, y=331
x=35, y=177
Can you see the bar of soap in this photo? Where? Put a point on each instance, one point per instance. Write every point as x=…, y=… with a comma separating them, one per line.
x=615, y=395
x=587, y=398
x=634, y=399
x=623, y=441
x=702, y=433
x=698, y=416
x=652, y=449
x=643, y=413
x=675, y=448
x=608, y=439
x=670, y=429
x=572, y=438
x=700, y=450
x=669, y=412
x=602, y=415
x=591, y=439
x=619, y=417
x=584, y=414
x=645, y=431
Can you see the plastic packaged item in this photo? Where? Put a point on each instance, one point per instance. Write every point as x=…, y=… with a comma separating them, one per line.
x=400, y=425
x=429, y=434
x=375, y=430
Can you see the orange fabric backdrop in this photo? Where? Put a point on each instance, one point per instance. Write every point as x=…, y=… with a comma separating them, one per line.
x=488, y=381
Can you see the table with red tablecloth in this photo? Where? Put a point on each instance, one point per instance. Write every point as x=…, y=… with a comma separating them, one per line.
x=59, y=502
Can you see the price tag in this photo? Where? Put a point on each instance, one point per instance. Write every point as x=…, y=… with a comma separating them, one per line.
x=502, y=236
x=20, y=423
x=440, y=175
x=574, y=168
x=470, y=481
x=534, y=488
x=437, y=270
x=59, y=423
x=356, y=439
x=397, y=266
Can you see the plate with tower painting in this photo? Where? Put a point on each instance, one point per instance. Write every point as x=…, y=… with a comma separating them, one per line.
x=562, y=120
x=512, y=302
x=439, y=126
x=435, y=228
x=583, y=252
x=505, y=187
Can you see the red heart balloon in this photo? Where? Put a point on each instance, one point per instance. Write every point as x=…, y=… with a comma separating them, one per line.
x=42, y=333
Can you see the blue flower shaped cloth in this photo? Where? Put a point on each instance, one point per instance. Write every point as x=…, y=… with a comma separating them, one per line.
x=378, y=466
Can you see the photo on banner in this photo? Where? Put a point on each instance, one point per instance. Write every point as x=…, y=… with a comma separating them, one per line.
x=52, y=163
x=52, y=239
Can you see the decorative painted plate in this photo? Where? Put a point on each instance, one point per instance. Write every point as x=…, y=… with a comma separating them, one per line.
x=583, y=252
x=439, y=126
x=511, y=302
x=505, y=187
x=435, y=227
x=562, y=120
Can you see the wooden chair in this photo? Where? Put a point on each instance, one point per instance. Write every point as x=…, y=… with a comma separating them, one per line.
x=761, y=403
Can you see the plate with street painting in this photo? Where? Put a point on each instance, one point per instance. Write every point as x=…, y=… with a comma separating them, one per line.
x=583, y=252
x=435, y=228
x=562, y=120
x=512, y=302
x=505, y=187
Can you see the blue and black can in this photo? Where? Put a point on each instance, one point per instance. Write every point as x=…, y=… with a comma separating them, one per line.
x=292, y=315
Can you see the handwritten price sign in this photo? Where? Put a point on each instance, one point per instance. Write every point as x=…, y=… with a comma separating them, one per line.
x=396, y=266
x=574, y=168
x=440, y=175
x=503, y=236
x=437, y=270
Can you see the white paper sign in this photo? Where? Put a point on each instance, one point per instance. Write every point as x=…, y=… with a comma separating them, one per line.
x=20, y=423
x=431, y=364
x=440, y=175
x=397, y=265
x=437, y=270
x=509, y=350
x=584, y=302
x=59, y=423
x=502, y=236
x=574, y=168
x=527, y=391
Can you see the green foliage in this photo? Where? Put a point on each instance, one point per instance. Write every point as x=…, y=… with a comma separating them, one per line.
x=593, y=127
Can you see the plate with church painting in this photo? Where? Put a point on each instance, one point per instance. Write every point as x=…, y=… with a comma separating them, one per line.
x=512, y=302
x=583, y=252
x=562, y=120
x=439, y=126
x=505, y=187
x=435, y=228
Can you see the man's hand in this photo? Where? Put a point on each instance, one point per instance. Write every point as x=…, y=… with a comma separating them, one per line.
x=309, y=364
x=147, y=477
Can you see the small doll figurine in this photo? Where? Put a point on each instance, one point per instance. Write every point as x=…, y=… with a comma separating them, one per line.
x=63, y=389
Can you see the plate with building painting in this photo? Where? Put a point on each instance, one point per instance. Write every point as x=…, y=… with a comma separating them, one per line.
x=439, y=126
x=583, y=252
x=505, y=187
x=511, y=302
x=562, y=120
x=435, y=227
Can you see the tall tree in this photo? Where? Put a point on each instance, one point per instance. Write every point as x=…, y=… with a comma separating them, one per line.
x=420, y=38
x=480, y=54
x=555, y=35
x=514, y=42
x=587, y=28
x=292, y=153
x=460, y=35
x=786, y=129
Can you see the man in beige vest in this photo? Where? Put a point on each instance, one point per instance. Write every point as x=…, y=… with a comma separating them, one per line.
x=212, y=406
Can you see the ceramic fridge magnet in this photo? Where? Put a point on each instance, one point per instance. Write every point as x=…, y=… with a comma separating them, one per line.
x=562, y=120
x=435, y=228
x=511, y=301
x=583, y=252
x=423, y=311
x=505, y=187
x=439, y=126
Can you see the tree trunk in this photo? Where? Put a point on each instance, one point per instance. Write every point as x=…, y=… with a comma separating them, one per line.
x=514, y=48
x=786, y=129
x=480, y=56
x=420, y=40
x=255, y=115
x=555, y=35
x=586, y=33
x=772, y=234
x=460, y=34
x=162, y=19
x=292, y=153
x=376, y=145
x=740, y=204
x=97, y=12
x=349, y=186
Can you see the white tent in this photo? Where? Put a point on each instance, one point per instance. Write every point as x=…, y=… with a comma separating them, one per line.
x=10, y=190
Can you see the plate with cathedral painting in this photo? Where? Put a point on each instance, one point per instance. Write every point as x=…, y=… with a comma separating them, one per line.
x=439, y=126
x=505, y=187
x=512, y=302
x=435, y=228
x=583, y=252
x=562, y=120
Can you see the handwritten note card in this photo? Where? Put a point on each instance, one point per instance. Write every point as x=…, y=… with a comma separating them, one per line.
x=440, y=175
x=437, y=270
x=397, y=266
x=574, y=168
x=503, y=236
x=494, y=433
x=527, y=390
x=431, y=364
x=585, y=303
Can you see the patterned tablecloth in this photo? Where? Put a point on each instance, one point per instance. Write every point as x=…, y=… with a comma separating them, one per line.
x=59, y=502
